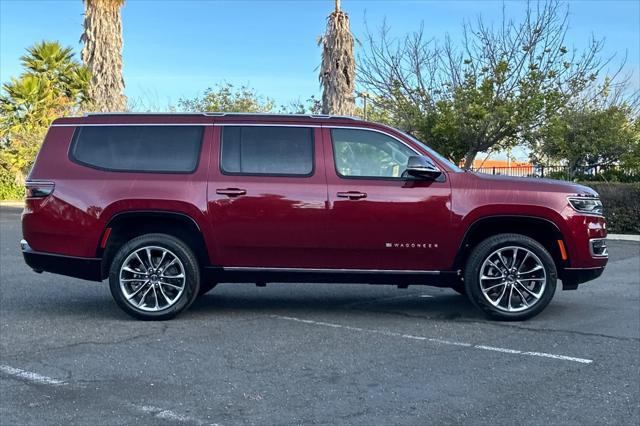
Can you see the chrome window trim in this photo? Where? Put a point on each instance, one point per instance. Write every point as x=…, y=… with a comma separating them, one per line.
x=253, y=124
x=132, y=124
x=264, y=125
x=243, y=124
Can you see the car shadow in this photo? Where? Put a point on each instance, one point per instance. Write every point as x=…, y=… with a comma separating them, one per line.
x=95, y=302
x=442, y=304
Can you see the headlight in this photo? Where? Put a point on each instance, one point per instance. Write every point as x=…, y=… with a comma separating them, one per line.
x=586, y=205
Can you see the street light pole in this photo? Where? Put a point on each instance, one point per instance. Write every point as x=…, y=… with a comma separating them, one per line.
x=364, y=96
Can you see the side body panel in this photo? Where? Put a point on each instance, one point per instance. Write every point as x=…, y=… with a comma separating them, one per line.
x=400, y=225
x=279, y=221
x=72, y=220
x=476, y=197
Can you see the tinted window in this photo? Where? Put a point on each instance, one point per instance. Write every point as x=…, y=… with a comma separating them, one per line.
x=267, y=150
x=173, y=149
x=364, y=153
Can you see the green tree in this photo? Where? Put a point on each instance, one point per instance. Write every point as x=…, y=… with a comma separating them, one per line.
x=225, y=98
x=491, y=91
x=589, y=136
x=311, y=106
x=53, y=84
x=631, y=158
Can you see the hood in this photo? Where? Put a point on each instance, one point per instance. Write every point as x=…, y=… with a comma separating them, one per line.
x=532, y=184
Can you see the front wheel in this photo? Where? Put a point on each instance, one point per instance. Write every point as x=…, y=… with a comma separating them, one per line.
x=154, y=277
x=510, y=277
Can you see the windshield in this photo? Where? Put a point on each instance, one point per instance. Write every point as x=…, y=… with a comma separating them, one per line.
x=439, y=157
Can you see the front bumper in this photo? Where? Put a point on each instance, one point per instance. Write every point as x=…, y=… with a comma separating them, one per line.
x=571, y=277
x=77, y=267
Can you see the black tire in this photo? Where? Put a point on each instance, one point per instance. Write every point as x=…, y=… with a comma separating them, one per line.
x=488, y=248
x=187, y=261
x=206, y=287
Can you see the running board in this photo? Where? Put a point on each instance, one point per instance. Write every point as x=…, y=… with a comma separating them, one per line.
x=314, y=275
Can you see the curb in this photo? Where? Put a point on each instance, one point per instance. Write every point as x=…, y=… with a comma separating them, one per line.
x=12, y=203
x=624, y=237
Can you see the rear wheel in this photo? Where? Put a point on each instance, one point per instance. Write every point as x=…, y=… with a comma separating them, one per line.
x=510, y=277
x=459, y=288
x=154, y=277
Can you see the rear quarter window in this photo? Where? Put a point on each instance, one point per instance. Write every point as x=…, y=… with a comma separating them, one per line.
x=163, y=149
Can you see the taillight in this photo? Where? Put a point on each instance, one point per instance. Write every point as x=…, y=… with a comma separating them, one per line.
x=39, y=189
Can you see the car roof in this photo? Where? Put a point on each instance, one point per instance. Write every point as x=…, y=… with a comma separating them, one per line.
x=201, y=118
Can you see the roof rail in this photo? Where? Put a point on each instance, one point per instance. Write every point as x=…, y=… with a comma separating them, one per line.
x=91, y=114
x=230, y=114
x=269, y=114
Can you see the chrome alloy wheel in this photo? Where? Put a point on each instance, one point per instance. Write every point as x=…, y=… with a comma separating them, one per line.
x=152, y=278
x=513, y=279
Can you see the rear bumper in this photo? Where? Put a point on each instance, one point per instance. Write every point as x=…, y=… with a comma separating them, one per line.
x=77, y=267
x=571, y=277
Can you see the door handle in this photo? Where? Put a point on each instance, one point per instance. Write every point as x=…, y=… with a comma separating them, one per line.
x=231, y=192
x=352, y=195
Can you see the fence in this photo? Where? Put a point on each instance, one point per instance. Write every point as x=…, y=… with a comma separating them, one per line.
x=612, y=173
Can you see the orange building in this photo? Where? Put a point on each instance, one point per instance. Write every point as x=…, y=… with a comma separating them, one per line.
x=498, y=163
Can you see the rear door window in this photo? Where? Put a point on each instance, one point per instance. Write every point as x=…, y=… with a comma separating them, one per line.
x=168, y=149
x=267, y=150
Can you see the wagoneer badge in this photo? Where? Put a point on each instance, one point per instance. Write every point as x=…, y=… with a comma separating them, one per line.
x=411, y=245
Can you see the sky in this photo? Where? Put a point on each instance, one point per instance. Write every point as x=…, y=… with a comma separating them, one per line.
x=177, y=49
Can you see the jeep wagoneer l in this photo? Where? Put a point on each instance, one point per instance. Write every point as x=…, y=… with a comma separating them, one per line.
x=167, y=206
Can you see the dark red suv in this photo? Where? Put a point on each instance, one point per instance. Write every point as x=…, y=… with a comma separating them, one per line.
x=167, y=206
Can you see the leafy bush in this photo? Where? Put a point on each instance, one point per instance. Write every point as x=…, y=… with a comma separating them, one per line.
x=559, y=175
x=626, y=175
x=9, y=188
x=610, y=174
x=621, y=206
x=53, y=84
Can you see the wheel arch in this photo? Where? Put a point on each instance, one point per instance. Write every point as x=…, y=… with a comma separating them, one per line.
x=543, y=230
x=124, y=226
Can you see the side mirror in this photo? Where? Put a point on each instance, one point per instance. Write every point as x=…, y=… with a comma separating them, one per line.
x=422, y=167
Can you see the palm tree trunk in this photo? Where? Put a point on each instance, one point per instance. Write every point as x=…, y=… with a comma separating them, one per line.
x=102, y=54
x=338, y=70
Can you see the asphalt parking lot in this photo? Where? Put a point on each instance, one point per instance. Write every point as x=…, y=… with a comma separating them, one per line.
x=315, y=354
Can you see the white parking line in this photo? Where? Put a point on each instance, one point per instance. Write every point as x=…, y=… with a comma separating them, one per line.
x=31, y=376
x=161, y=413
x=438, y=341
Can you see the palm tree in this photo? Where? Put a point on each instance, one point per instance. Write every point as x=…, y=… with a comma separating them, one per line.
x=338, y=70
x=51, y=62
x=102, y=53
x=52, y=85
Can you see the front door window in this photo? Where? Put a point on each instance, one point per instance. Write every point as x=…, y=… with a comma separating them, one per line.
x=368, y=154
